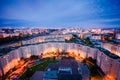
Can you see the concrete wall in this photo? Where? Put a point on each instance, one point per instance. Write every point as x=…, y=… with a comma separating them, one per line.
x=111, y=67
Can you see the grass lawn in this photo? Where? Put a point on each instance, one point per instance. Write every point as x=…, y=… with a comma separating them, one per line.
x=40, y=67
x=94, y=72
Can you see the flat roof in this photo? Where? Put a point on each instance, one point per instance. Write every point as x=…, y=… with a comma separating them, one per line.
x=69, y=77
x=51, y=75
x=108, y=53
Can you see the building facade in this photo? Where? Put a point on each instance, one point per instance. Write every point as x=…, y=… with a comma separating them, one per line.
x=109, y=65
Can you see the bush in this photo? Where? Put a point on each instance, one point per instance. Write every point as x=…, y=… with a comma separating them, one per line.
x=34, y=57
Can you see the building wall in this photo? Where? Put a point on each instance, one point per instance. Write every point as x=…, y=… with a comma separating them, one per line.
x=110, y=67
x=118, y=36
x=47, y=38
x=115, y=49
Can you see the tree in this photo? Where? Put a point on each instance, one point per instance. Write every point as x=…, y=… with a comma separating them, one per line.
x=33, y=57
x=75, y=36
x=87, y=41
x=57, y=51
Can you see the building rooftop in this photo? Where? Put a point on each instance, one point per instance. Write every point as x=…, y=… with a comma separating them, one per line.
x=69, y=77
x=50, y=75
x=108, y=53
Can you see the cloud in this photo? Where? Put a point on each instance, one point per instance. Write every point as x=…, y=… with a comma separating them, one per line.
x=60, y=13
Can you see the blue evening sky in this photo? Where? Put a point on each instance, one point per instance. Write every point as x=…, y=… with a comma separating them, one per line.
x=60, y=13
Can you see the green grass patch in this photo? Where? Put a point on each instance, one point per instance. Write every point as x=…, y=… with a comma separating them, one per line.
x=40, y=67
x=95, y=71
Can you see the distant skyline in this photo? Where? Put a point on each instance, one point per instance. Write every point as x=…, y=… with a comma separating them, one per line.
x=60, y=13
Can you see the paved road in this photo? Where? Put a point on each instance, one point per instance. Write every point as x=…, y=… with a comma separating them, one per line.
x=84, y=71
x=38, y=75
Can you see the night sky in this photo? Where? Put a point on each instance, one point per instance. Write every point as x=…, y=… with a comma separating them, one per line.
x=60, y=13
